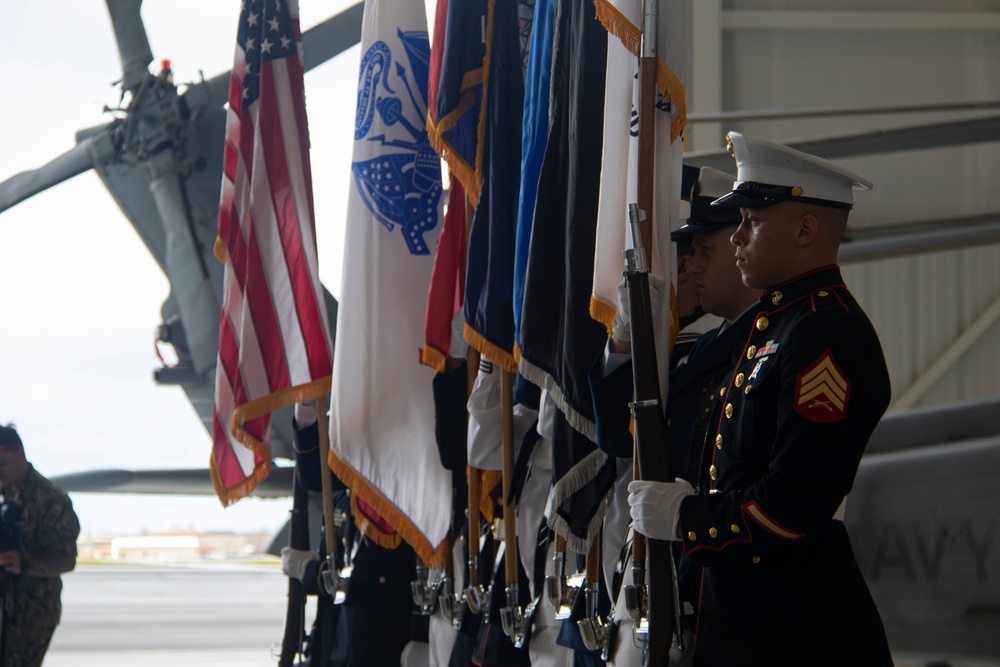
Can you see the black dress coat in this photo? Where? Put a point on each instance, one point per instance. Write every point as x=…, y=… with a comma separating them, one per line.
x=781, y=585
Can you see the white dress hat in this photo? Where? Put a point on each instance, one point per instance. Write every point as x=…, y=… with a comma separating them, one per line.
x=769, y=173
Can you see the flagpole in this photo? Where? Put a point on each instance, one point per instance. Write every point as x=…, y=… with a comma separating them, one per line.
x=659, y=567
x=473, y=474
x=512, y=617
x=329, y=573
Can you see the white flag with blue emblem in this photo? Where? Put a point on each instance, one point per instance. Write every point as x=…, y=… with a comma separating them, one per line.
x=619, y=173
x=382, y=441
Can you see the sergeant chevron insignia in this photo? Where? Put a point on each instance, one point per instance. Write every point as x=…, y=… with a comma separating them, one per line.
x=822, y=391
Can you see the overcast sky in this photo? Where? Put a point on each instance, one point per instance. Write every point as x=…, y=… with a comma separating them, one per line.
x=80, y=295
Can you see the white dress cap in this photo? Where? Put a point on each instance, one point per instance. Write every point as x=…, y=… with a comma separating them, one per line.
x=768, y=173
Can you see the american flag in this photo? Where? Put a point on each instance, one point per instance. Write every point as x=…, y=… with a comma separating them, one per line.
x=274, y=342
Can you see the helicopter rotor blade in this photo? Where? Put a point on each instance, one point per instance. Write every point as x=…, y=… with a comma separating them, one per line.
x=319, y=44
x=133, y=45
x=29, y=183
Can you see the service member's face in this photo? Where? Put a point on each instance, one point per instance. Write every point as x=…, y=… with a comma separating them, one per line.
x=13, y=466
x=718, y=281
x=765, y=245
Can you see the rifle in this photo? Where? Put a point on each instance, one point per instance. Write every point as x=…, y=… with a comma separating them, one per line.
x=652, y=451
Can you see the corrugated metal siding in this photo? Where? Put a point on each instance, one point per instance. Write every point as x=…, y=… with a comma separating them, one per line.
x=920, y=305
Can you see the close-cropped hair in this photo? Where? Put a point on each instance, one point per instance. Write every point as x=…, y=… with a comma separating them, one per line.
x=9, y=439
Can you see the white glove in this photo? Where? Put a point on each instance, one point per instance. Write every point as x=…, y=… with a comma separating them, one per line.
x=458, y=346
x=305, y=414
x=483, y=447
x=295, y=561
x=656, y=506
x=621, y=328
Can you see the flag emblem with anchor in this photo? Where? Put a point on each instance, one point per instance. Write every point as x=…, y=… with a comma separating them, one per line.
x=822, y=391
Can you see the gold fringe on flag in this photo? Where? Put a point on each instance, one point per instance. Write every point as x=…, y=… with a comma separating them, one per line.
x=602, y=312
x=494, y=353
x=432, y=555
x=669, y=85
x=433, y=357
x=251, y=410
x=370, y=530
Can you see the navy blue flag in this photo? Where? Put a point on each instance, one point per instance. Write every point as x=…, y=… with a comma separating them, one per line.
x=559, y=339
x=489, y=278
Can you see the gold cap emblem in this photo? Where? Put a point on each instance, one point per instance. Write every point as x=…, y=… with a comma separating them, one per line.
x=729, y=145
x=796, y=191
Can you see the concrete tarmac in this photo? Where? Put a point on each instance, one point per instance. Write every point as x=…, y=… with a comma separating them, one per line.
x=199, y=614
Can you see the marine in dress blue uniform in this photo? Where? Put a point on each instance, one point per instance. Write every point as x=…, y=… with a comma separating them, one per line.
x=781, y=585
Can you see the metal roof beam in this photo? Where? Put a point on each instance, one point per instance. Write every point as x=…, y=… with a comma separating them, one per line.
x=763, y=19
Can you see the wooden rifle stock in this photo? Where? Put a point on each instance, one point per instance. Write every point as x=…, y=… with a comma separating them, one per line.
x=652, y=451
x=298, y=538
x=653, y=456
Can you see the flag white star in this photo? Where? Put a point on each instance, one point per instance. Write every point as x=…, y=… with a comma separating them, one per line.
x=252, y=19
x=285, y=42
x=250, y=44
x=265, y=46
x=275, y=24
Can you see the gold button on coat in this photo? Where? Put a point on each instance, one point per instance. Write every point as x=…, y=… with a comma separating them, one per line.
x=713, y=472
x=762, y=323
x=692, y=536
x=735, y=529
x=718, y=441
x=381, y=580
x=822, y=292
x=752, y=350
x=739, y=379
x=755, y=559
x=729, y=410
x=747, y=389
x=712, y=532
x=722, y=392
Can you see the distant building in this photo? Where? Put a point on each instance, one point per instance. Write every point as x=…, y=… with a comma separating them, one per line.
x=172, y=547
x=156, y=547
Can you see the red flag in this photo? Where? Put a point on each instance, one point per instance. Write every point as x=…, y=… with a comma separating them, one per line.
x=447, y=290
x=274, y=343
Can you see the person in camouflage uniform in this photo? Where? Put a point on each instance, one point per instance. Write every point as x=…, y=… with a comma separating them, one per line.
x=41, y=546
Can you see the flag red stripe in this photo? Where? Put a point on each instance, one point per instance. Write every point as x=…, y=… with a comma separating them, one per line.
x=287, y=218
x=272, y=328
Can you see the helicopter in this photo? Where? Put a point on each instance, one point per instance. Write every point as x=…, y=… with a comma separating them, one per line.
x=132, y=182
x=160, y=158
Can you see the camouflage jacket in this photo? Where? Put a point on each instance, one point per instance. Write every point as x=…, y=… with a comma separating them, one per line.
x=46, y=530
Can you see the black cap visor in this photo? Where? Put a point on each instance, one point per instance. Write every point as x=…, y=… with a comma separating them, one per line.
x=749, y=194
